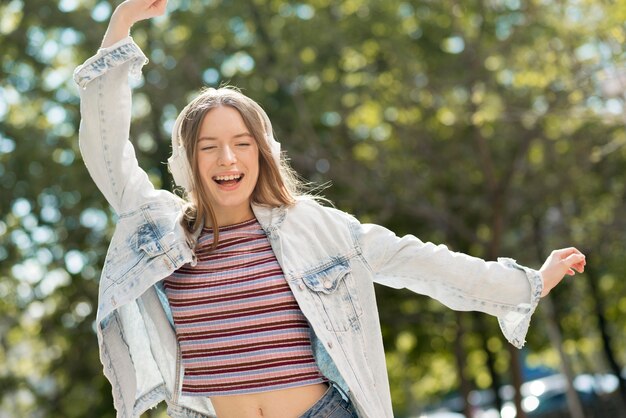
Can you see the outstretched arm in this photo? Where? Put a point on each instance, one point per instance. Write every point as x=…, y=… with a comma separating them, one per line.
x=504, y=289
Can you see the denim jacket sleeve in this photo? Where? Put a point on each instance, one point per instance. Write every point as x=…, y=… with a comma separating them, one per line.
x=105, y=106
x=504, y=289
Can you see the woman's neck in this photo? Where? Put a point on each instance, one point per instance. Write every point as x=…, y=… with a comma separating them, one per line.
x=232, y=218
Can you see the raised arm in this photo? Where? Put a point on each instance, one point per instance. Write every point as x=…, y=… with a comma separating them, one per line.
x=106, y=109
x=504, y=289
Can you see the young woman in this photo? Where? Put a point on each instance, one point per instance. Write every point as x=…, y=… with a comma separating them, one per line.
x=250, y=299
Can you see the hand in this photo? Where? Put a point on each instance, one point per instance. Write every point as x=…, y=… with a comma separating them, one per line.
x=127, y=14
x=558, y=264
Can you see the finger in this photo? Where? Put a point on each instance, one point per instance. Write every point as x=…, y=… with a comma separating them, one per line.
x=574, y=258
x=579, y=267
x=566, y=252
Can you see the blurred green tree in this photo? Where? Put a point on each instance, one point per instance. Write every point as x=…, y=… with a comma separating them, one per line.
x=486, y=125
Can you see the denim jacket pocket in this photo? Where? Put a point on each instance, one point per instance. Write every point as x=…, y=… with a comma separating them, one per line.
x=130, y=257
x=334, y=293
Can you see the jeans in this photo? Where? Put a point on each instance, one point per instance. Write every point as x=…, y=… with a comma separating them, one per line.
x=332, y=405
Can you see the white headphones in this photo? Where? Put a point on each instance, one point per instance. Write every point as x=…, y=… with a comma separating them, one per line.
x=179, y=164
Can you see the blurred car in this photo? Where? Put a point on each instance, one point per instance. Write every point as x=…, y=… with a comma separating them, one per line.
x=544, y=397
x=441, y=414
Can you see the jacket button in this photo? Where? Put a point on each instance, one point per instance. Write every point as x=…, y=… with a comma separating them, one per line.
x=327, y=284
x=330, y=344
x=301, y=286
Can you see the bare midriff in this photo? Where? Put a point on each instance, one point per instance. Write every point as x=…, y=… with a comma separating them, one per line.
x=284, y=403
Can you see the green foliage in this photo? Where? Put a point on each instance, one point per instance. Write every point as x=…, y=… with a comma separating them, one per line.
x=486, y=125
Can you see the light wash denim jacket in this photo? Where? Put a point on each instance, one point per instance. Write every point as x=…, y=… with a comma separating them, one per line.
x=330, y=260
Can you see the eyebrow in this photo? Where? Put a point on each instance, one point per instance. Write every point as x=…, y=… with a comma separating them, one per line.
x=212, y=138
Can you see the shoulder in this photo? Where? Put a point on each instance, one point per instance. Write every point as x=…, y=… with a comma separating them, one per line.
x=312, y=234
x=312, y=210
x=311, y=222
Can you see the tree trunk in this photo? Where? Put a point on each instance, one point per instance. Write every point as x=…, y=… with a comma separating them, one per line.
x=554, y=334
x=607, y=345
x=491, y=361
x=516, y=380
x=459, y=353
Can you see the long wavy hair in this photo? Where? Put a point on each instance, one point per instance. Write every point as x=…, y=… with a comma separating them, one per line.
x=277, y=184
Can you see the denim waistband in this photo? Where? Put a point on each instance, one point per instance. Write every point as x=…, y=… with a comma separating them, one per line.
x=334, y=404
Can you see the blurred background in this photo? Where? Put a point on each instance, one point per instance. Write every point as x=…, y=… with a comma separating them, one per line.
x=494, y=126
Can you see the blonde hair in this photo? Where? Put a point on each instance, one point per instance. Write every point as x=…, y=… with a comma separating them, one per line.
x=277, y=184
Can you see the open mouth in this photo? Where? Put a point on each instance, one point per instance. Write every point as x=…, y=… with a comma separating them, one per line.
x=229, y=180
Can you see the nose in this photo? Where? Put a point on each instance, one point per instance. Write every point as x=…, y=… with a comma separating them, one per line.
x=227, y=156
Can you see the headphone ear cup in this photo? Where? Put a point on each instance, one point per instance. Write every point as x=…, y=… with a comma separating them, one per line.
x=274, y=148
x=179, y=167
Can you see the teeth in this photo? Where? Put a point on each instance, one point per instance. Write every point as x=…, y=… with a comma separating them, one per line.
x=226, y=178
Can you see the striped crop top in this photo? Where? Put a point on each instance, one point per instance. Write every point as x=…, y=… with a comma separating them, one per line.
x=238, y=324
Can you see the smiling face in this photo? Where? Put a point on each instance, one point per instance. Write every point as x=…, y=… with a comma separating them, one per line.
x=228, y=164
